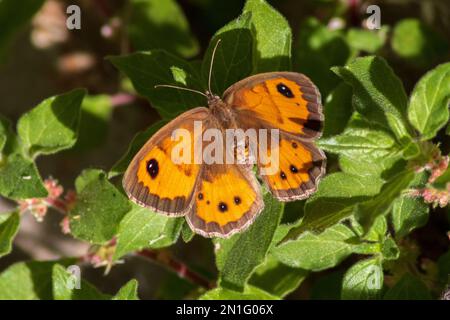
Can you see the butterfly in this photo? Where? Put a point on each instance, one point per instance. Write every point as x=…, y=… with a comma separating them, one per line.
x=221, y=199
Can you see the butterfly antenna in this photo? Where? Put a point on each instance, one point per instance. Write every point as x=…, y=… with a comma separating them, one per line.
x=181, y=88
x=211, y=65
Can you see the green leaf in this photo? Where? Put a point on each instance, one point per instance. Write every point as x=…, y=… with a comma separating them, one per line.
x=428, y=107
x=317, y=50
x=408, y=288
x=249, y=293
x=390, y=250
x=136, y=144
x=11, y=143
x=368, y=211
x=186, y=233
x=147, y=69
x=369, y=41
x=29, y=280
x=8, y=230
x=334, y=201
x=233, y=60
x=277, y=278
x=408, y=213
x=337, y=110
x=364, y=148
x=142, y=228
x=363, y=281
x=238, y=256
x=155, y=24
x=86, y=177
x=19, y=178
x=376, y=240
x=273, y=37
x=52, y=126
x=284, y=228
x=64, y=286
x=365, y=168
x=317, y=252
x=442, y=181
x=356, y=162
x=14, y=15
x=378, y=94
x=411, y=150
x=418, y=44
x=128, y=291
x=377, y=232
x=96, y=112
x=363, y=142
x=4, y=217
x=99, y=208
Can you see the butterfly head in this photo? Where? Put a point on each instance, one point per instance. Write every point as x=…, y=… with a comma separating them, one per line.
x=212, y=98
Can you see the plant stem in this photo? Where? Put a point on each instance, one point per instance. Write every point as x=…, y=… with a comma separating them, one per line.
x=58, y=204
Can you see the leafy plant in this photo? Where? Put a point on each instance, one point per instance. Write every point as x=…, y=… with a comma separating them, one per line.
x=387, y=164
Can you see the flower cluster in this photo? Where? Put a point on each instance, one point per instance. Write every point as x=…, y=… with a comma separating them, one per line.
x=38, y=207
x=431, y=194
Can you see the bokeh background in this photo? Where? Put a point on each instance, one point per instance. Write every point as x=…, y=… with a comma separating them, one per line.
x=45, y=58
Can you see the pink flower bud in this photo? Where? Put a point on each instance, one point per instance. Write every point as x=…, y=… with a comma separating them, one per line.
x=65, y=225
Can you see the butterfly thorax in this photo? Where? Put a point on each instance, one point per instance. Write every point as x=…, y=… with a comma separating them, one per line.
x=221, y=112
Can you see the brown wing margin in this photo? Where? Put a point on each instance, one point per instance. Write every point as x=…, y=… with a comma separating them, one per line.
x=152, y=180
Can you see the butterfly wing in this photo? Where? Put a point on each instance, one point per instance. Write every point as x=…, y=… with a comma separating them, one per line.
x=299, y=168
x=153, y=180
x=288, y=101
x=227, y=200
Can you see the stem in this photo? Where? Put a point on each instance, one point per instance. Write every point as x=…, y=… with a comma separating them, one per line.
x=57, y=204
x=181, y=269
x=120, y=99
x=123, y=98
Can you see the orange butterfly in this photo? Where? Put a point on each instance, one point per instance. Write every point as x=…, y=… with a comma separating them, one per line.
x=220, y=199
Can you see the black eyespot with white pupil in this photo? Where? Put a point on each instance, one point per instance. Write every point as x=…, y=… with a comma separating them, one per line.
x=152, y=168
x=223, y=207
x=284, y=90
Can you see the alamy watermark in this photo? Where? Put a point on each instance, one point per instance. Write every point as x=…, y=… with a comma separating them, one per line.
x=231, y=146
x=73, y=21
x=374, y=279
x=374, y=20
x=74, y=279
